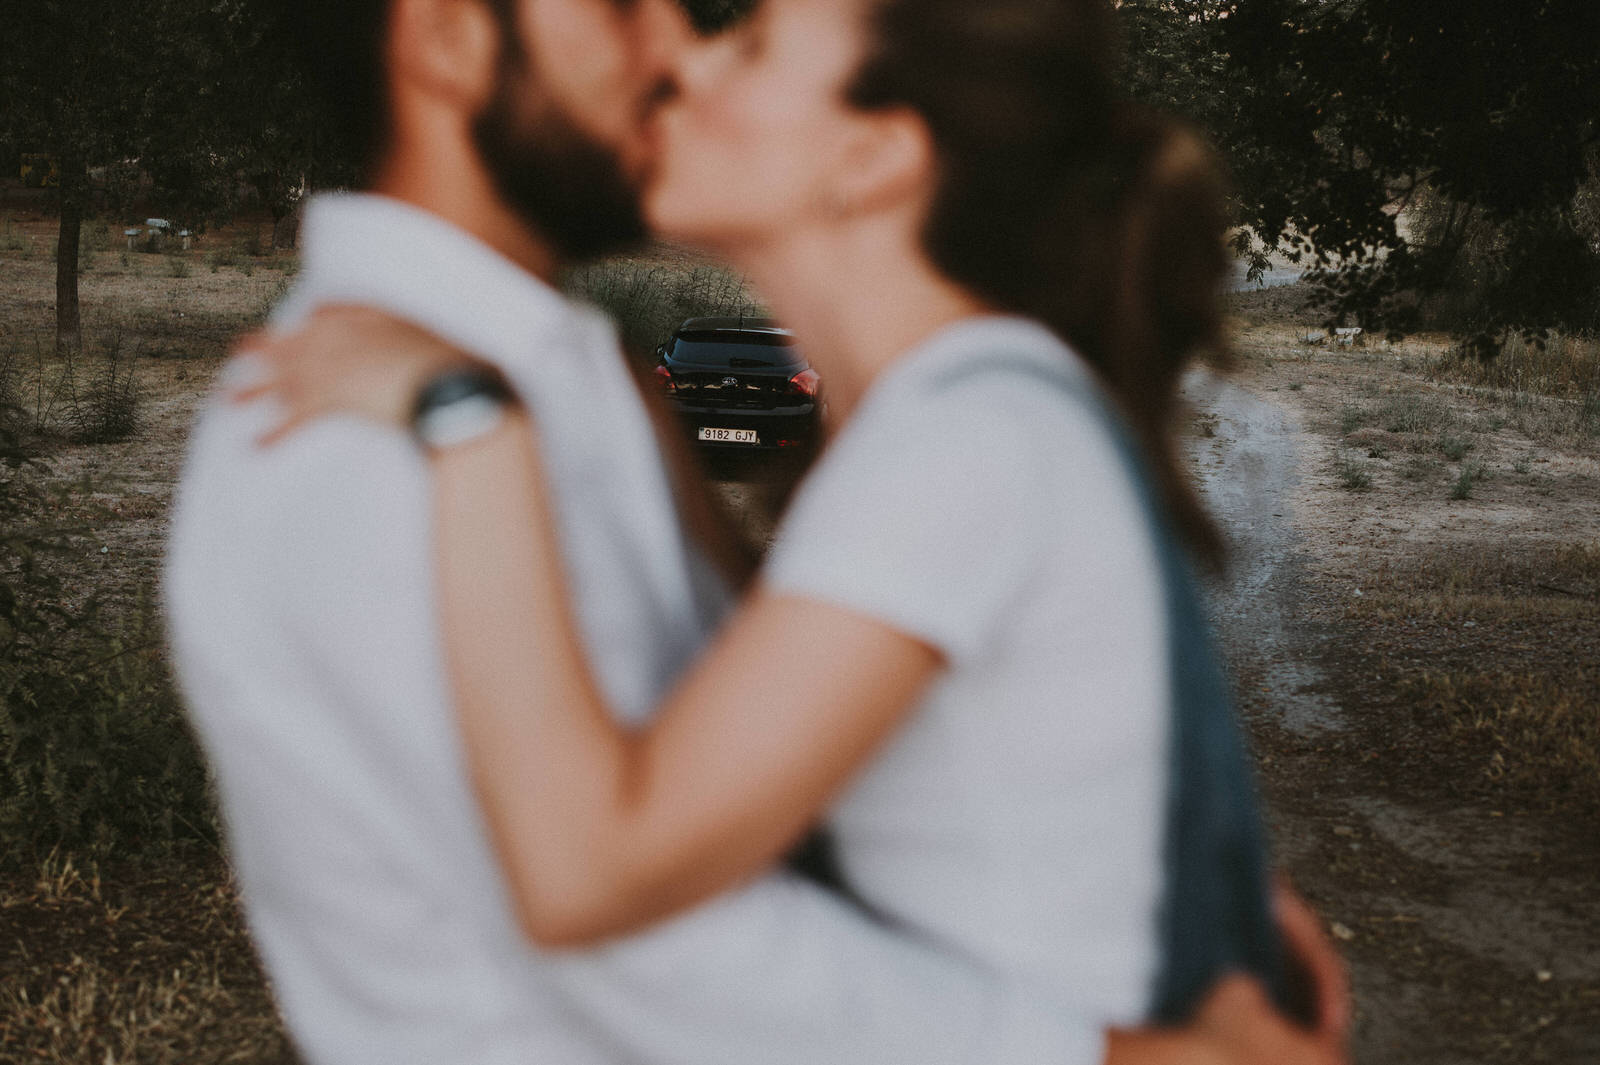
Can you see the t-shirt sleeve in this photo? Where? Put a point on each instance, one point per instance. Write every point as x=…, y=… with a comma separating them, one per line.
x=930, y=517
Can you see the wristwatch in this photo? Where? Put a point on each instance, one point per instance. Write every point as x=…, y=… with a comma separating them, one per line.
x=458, y=406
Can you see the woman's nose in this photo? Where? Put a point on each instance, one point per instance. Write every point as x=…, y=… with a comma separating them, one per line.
x=702, y=61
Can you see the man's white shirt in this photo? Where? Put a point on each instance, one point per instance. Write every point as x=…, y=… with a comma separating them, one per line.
x=301, y=603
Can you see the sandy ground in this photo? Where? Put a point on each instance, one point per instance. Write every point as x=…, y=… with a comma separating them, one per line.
x=1466, y=904
x=1467, y=912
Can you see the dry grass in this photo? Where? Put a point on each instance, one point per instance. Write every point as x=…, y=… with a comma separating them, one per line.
x=1463, y=500
x=1543, y=733
x=1502, y=645
x=143, y=958
x=1549, y=392
x=1563, y=366
x=151, y=967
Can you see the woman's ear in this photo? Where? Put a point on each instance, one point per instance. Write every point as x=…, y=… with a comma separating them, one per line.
x=447, y=48
x=888, y=162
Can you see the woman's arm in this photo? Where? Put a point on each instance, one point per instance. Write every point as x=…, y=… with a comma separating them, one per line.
x=599, y=829
x=602, y=829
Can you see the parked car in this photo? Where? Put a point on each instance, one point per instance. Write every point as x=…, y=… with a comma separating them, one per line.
x=740, y=383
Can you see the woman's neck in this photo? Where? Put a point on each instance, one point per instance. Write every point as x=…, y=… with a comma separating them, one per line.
x=857, y=301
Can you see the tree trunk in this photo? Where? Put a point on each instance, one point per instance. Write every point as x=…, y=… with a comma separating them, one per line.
x=69, y=327
x=285, y=227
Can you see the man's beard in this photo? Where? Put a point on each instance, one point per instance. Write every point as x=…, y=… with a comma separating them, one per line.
x=567, y=186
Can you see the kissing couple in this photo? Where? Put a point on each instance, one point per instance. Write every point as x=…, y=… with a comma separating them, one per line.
x=511, y=746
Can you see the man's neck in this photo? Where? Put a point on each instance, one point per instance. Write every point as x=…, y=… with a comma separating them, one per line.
x=464, y=197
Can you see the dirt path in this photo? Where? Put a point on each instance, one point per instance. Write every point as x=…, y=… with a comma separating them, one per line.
x=1472, y=932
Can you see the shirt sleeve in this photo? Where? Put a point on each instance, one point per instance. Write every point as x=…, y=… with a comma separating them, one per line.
x=932, y=523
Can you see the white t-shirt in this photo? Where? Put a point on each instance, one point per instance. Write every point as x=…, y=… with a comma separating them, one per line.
x=300, y=593
x=1020, y=812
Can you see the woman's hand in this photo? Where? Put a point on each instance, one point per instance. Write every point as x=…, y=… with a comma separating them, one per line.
x=344, y=360
x=1237, y=1024
x=1245, y=1027
x=1313, y=953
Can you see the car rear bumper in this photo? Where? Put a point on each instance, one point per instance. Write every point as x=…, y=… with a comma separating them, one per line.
x=781, y=429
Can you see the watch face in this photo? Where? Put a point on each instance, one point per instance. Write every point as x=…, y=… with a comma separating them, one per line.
x=460, y=405
x=458, y=421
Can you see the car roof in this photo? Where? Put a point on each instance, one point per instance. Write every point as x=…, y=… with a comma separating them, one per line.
x=762, y=326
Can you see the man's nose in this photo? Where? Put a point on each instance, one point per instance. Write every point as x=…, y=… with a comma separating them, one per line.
x=666, y=32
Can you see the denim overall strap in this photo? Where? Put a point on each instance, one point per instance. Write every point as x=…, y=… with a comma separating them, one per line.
x=1216, y=911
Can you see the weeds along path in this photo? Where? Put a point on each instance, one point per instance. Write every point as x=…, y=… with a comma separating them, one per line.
x=1465, y=907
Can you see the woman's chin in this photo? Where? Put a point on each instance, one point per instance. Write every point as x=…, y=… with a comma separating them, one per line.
x=669, y=220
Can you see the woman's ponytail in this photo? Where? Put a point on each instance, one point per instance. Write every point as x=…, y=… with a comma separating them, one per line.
x=1060, y=200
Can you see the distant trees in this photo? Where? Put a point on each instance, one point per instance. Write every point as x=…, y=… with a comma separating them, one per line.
x=1480, y=118
x=191, y=93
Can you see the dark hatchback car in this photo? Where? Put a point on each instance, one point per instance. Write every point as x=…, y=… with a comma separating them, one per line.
x=741, y=383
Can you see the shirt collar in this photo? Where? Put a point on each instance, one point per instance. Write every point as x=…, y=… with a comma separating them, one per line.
x=380, y=252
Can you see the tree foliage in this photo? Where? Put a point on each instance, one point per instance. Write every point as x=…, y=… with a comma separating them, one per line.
x=1405, y=149
x=187, y=97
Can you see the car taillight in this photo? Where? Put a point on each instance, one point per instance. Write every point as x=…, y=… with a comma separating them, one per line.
x=664, y=375
x=806, y=383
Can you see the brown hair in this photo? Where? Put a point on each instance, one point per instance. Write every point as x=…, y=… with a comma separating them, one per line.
x=1061, y=200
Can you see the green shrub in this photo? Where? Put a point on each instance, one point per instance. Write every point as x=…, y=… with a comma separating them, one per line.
x=1454, y=448
x=13, y=239
x=1353, y=474
x=1466, y=480
x=1421, y=468
x=12, y=415
x=1415, y=414
x=95, y=756
x=648, y=300
x=95, y=236
x=177, y=265
x=108, y=409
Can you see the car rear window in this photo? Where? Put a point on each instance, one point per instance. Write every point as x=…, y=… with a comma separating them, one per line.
x=751, y=350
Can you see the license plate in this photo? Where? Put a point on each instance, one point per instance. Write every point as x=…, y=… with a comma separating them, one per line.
x=729, y=436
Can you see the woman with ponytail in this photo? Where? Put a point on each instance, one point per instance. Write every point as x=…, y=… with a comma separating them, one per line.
x=976, y=650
